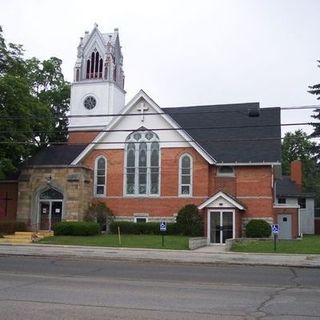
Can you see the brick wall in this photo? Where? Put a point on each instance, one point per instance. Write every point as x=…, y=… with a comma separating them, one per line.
x=81, y=137
x=251, y=185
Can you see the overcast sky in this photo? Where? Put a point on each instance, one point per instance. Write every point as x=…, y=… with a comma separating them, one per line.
x=187, y=52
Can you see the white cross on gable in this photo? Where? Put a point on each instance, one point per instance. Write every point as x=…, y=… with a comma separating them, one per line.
x=142, y=109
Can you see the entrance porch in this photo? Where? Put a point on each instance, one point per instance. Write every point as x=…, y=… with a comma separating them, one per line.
x=223, y=220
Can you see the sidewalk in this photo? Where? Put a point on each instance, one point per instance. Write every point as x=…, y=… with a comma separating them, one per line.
x=206, y=255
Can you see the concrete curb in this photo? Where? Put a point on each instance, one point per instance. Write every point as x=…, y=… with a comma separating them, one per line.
x=154, y=255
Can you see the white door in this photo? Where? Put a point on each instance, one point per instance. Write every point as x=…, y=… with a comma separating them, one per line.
x=285, y=226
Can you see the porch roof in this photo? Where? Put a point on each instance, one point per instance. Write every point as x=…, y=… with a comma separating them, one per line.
x=227, y=200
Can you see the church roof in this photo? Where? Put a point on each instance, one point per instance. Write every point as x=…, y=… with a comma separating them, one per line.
x=56, y=155
x=233, y=133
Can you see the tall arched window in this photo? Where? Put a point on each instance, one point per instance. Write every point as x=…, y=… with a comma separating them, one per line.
x=185, y=175
x=142, y=163
x=100, y=177
x=94, y=65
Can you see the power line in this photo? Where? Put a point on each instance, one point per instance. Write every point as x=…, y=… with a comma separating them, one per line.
x=172, y=129
x=161, y=142
x=172, y=112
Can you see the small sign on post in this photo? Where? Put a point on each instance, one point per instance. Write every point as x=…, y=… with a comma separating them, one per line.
x=163, y=229
x=275, y=232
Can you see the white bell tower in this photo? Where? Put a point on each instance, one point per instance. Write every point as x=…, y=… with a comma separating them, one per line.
x=97, y=90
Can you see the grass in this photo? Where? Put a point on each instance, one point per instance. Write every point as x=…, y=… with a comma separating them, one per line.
x=310, y=244
x=128, y=241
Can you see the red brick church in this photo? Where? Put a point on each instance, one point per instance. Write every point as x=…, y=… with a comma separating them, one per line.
x=146, y=162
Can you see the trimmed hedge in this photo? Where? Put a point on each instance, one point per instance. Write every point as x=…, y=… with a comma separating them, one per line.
x=258, y=229
x=10, y=227
x=76, y=228
x=127, y=227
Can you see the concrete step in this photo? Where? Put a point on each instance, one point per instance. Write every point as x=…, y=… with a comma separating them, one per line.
x=8, y=241
x=12, y=236
x=25, y=236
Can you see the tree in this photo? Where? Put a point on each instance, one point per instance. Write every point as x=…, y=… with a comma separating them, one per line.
x=298, y=146
x=315, y=89
x=49, y=87
x=34, y=99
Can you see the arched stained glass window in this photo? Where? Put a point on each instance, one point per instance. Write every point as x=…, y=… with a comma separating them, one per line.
x=142, y=163
x=185, y=175
x=100, y=177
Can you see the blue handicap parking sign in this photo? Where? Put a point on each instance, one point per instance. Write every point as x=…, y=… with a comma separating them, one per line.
x=163, y=226
x=275, y=228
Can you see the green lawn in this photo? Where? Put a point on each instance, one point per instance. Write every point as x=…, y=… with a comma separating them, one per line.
x=129, y=241
x=309, y=244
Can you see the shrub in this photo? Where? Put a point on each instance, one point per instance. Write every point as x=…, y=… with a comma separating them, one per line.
x=258, y=229
x=189, y=222
x=100, y=213
x=127, y=227
x=76, y=228
x=10, y=227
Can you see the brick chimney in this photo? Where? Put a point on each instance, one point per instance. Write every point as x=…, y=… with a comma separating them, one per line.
x=296, y=173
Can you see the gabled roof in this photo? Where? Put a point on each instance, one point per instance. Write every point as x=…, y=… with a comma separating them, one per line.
x=233, y=133
x=234, y=202
x=142, y=95
x=56, y=155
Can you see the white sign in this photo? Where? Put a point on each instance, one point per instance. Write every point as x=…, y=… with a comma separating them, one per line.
x=163, y=226
x=275, y=228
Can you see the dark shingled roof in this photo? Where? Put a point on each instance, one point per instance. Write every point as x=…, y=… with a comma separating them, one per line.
x=286, y=187
x=229, y=134
x=56, y=155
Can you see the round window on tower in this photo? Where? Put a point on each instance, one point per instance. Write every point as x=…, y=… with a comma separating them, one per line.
x=90, y=102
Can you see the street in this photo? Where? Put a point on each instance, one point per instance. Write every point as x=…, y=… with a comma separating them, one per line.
x=59, y=288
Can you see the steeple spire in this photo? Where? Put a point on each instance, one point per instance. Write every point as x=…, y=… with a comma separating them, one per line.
x=98, y=87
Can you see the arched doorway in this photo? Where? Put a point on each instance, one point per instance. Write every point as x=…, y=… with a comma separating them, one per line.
x=50, y=208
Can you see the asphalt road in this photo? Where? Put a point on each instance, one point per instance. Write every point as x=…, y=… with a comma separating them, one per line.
x=44, y=288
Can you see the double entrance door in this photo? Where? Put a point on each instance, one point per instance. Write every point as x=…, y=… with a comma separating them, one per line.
x=221, y=226
x=50, y=214
x=50, y=208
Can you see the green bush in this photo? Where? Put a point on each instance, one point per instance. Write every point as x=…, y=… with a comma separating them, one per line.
x=100, y=213
x=10, y=227
x=258, y=229
x=127, y=227
x=76, y=228
x=189, y=222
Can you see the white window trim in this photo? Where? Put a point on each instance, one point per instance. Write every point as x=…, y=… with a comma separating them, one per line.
x=95, y=178
x=180, y=176
x=227, y=174
x=148, y=172
x=141, y=217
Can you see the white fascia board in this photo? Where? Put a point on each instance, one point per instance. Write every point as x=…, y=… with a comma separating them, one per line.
x=284, y=206
x=114, y=121
x=221, y=164
x=225, y=197
x=187, y=137
x=173, y=124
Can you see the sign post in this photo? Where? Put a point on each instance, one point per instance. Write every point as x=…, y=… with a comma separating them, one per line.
x=163, y=229
x=275, y=232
